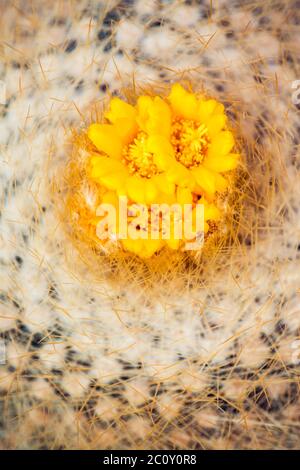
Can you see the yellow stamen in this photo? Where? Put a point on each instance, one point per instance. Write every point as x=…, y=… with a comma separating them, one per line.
x=190, y=141
x=138, y=159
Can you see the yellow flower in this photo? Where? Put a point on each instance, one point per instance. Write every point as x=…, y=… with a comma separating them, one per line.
x=164, y=150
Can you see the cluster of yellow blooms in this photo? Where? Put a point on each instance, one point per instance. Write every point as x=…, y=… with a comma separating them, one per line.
x=174, y=149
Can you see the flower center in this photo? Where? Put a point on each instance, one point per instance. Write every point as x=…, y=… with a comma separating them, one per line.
x=190, y=141
x=137, y=157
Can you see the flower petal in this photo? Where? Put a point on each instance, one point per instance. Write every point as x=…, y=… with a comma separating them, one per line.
x=211, y=212
x=205, y=179
x=106, y=139
x=143, y=105
x=123, y=116
x=205, y=109
x=136, y=189
x=115, y=181
x=161, y=120
x=222, y=163
x=135, y=246
x=110, y=197
x=221, y=182
x=163, y=198
x=154, y=115
x=184, y=196
x=173, y=243
x=119, y=109
x=221, y=144
x=126, y=129
x=219, y=109
x=198, y=190
x=151, y=191
x=179, y=174
x=215, y=124
x=101, y=166
x=150, y=247
x=163, y=184
x=183, y=103
x=162, y=150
